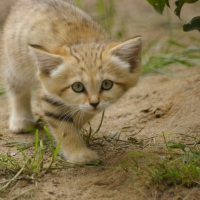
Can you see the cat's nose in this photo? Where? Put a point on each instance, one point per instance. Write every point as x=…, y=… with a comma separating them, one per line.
x=94, y=104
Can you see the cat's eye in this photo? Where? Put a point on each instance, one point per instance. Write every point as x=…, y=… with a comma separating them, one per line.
x=78, y=87
x=106, y=85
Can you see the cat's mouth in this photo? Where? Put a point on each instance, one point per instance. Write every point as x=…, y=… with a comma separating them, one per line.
x=92, y=111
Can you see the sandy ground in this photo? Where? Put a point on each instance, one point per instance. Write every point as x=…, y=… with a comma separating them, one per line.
x=159, y=104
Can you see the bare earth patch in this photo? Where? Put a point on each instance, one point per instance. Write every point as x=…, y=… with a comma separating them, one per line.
x=159, y=104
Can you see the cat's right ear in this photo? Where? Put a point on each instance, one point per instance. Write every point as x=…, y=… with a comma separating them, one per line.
x=128, y=52
x=46, y=61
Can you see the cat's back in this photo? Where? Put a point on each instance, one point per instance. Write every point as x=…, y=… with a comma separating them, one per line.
x=50, y=22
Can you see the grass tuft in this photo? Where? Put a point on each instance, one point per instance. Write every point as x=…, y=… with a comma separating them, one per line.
x=180, y=165
x=88, y=134
x=156, y=56
x=29, y=167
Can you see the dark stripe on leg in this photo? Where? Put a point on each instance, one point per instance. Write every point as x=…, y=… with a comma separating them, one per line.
x=64, y=117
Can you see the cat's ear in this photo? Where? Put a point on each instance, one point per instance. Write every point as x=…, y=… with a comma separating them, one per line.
x=128, y=51
x=46, y=61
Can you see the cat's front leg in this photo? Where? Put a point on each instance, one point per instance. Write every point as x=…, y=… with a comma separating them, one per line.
x=21, y=114
x=73, y=147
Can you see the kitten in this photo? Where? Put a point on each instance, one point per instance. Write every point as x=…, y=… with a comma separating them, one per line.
x=80, y=70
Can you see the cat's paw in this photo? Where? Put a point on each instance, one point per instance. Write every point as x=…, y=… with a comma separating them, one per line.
x=21, y=125
x=82, y=156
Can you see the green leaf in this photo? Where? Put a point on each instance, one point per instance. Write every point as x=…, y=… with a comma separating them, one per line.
x=158, y=4
x=175, y=145
x=167, y=3
x=194, y=24
x=179, y=4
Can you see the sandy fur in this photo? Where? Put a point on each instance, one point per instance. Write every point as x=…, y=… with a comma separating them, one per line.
x=56, y=44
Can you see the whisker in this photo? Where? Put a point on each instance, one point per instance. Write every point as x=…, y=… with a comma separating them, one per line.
x=70, y=112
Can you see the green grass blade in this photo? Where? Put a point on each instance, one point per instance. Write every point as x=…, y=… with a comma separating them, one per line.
x=99, y=127
x=56, y=151
x=2, y=90
x=36, y=144
x=54, y=155
x=47, y=132
x=22, y=152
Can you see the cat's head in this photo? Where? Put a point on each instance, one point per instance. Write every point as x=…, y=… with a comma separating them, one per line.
x=89, y=77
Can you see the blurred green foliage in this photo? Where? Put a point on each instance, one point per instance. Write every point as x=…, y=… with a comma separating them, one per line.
x=159, y=6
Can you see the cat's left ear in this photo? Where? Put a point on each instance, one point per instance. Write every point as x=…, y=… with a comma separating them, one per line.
x=47, y=60
x=129, y=52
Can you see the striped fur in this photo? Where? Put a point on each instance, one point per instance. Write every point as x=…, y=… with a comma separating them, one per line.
x=63, y=117
x=81, y=72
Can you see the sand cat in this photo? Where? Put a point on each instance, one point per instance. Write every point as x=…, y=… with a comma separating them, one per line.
x=80, y=70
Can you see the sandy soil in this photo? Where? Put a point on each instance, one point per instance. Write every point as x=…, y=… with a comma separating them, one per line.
x=159, y=104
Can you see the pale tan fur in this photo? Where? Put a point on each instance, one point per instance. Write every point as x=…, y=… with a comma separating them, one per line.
x=59, y=46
